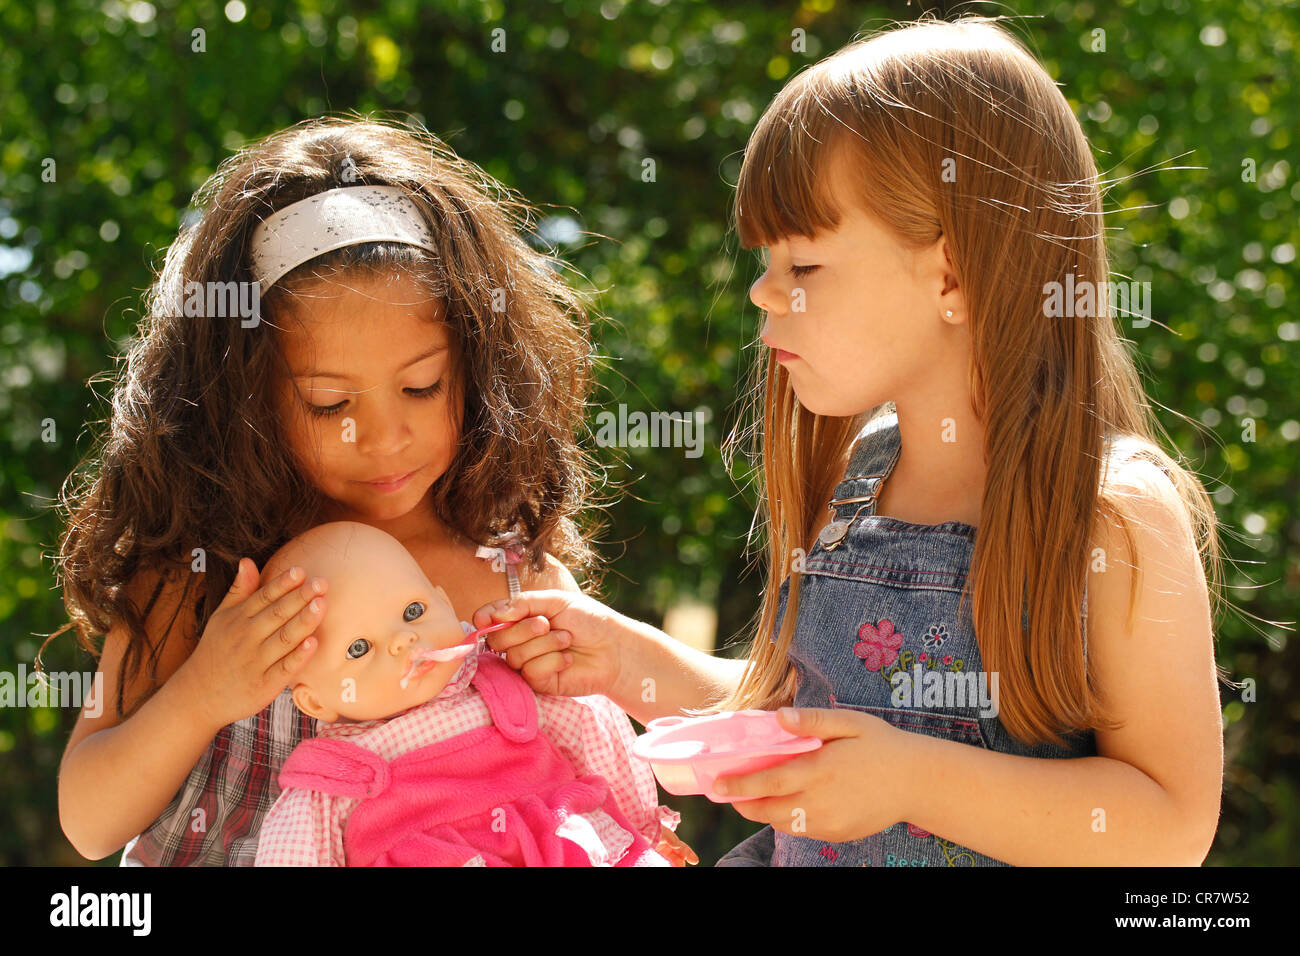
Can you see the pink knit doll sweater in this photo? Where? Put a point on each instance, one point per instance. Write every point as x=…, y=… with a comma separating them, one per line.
x=486, y=773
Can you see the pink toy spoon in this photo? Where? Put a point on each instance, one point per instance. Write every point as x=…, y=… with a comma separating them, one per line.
x=423, y=659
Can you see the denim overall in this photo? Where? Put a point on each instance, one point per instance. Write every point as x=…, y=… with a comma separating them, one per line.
x=879, y=599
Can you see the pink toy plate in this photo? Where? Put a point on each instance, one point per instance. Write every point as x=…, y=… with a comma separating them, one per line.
x=688, y=753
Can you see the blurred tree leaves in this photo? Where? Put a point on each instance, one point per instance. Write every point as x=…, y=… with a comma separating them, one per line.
x=135, y=103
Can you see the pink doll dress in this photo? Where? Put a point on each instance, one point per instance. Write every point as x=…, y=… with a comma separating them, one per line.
x=500, y=795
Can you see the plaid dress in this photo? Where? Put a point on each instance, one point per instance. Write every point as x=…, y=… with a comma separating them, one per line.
x=216, y=817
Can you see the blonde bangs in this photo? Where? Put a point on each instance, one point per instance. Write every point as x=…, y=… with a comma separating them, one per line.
x=782, y=189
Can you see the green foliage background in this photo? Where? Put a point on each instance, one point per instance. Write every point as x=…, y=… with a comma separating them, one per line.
x=135, y=120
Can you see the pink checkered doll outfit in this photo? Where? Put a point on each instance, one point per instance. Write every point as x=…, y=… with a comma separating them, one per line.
x=488, y=773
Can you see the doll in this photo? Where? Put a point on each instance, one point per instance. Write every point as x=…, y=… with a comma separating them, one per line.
x=431, y=750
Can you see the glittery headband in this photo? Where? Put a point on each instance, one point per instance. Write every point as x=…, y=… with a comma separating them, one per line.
x=333, y=219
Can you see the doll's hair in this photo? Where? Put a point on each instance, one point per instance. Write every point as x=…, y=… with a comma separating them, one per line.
x=1024, y=210
x=196, y=457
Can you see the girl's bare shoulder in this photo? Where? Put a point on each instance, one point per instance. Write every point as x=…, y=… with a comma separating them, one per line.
x=553, y=576
x=1142, y=494
x=1146, y=577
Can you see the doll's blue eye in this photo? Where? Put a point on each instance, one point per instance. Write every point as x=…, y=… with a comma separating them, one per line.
x=413, y=610
x=358, y=648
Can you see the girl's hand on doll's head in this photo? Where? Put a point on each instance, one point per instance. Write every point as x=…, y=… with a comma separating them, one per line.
x=254, y=644
x=562, y=644
x=854, y=785
x=673, y=849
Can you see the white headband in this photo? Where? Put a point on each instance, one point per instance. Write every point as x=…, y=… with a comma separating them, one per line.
x=331, y=220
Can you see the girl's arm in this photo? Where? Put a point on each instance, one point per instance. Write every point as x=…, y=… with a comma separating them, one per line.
x=662, y=677
x=1152, y=796
x=636, y=665
x=589, y=648
x=116, y=777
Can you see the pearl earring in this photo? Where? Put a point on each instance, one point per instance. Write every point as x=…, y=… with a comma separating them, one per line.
x=948, y=313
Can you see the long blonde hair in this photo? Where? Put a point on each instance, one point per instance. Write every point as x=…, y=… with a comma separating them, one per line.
x=1023, y=211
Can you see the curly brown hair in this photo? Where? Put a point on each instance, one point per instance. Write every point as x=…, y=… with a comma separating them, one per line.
x=195, y=453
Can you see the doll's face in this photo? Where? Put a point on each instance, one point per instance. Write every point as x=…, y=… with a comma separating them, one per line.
x=379, y=607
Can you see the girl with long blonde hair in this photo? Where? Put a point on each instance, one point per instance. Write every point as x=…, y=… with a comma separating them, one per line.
x=987, y=581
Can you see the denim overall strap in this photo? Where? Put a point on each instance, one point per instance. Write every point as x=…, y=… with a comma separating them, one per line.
x=870, y=464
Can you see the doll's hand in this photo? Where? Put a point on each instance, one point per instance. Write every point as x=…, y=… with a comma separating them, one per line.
x=851, y=787
x=673, y=849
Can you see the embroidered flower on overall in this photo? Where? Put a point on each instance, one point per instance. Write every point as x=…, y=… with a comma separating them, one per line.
x=934, y=637
x=907, y=658
x=878, y=644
